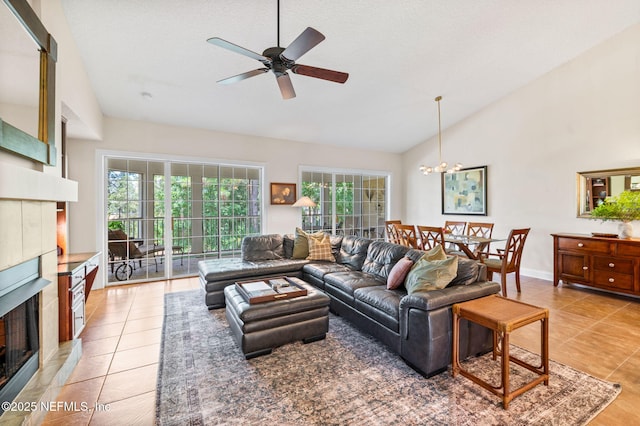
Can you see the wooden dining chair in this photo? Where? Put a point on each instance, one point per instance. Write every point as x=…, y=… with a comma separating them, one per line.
x=406, y=235
x=429, y=237
x=481, y=229
x=508, y=260
x=392, y=233
x=455, y=228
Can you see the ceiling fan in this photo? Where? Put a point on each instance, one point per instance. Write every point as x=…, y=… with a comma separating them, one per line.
x=279, y=60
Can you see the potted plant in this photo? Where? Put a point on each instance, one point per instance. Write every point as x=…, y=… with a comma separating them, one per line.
x=624, y=207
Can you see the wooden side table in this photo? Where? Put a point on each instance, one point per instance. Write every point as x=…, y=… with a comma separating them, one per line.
x=502, y=316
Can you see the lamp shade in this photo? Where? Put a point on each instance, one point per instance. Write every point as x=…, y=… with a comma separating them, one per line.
x=304, y=202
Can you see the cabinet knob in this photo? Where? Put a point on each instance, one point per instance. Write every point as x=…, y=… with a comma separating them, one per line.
x=580, y=245
x=611, y=280
x=585, y=267
x=612, y=265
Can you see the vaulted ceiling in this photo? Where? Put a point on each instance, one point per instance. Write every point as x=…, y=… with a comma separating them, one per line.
x=400, y=55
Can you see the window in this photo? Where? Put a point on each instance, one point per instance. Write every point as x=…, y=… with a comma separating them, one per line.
x=178, y=213
x=346, y=203
x=124, y=206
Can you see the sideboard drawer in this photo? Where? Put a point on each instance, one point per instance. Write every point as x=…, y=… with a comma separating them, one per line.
x=613, y=280
x=628, y=249
x=592, y=246
x=612, y=264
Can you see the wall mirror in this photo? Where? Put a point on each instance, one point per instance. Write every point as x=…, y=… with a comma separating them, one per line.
x=27, y=83
x=19, y=75
x=595, y=186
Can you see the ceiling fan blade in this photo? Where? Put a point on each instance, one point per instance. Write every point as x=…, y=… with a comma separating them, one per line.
x=301, y=45
x=286, y=88
x=238, y=49
x=322, y=73
x=243, y=76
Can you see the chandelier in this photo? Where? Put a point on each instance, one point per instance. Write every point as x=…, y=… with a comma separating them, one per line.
x=442, y=166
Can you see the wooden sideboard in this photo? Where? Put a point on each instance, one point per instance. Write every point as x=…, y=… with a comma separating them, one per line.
x=607, y=263
x=76, y=273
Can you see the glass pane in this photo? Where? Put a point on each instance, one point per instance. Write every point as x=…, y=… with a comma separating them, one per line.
x=132, y=243
x=200, y=196
x=359, y=203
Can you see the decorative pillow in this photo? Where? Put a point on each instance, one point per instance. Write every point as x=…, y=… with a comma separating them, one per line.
x=398, y=273
x=336, y=243
x=301, y=244
x=468, y=271
x=287, y=245
x=434, y=275
x=320, y=248
x=436, y=253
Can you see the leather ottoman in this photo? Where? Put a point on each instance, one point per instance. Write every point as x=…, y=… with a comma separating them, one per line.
x=259, y=328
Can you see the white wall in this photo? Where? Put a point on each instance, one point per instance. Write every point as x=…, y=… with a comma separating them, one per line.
x=75, y=97
x=280, y=158
x=584, y=115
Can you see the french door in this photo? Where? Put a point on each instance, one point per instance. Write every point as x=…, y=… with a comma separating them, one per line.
x=347, y=203
x=165, y=216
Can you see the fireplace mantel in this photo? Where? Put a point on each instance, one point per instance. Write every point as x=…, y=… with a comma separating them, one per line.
x=20, y=183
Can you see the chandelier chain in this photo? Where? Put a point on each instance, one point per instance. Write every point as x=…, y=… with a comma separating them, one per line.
x=442, y=165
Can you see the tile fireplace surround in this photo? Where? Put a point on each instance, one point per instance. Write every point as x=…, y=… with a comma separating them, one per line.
x=27, y=231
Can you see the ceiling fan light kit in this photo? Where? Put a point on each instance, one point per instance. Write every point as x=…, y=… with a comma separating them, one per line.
x=442, y=165
x=279, y=60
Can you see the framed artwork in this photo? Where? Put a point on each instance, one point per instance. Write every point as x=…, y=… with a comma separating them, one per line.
x=283, y=193
x=465, y=192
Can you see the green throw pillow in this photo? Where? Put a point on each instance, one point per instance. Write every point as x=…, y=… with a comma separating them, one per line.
x=431, y=275
x=301, y=243
x=436, y=253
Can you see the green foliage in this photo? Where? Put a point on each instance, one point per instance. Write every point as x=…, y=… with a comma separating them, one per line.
x=227, y=210
x=624, y=207
x=116, y=225
x=123, y=192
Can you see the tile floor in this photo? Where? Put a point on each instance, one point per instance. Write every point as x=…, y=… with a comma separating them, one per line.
x=592, y=331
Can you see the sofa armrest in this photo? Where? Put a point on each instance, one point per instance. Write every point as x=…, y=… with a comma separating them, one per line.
x=431, y=300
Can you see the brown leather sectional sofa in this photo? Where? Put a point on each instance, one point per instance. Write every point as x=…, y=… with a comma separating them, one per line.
x=417, y=326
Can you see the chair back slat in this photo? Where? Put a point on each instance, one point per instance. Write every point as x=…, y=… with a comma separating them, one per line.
x=392, y=233
x=514, y=248
x=407, y=235
x=429, y=237
x=454, y=227
x=481, y=229
x=509, y=258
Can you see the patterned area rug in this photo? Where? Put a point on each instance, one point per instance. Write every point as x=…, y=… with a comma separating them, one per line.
x=348, y=378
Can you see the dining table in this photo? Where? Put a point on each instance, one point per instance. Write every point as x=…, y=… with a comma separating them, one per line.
x=471, y=245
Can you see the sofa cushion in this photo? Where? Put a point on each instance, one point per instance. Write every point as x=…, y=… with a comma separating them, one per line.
x=262, y=247
x=434, y=275
x=468, y=271
x=320, y=248
x=381, y=257
x=380, y=304
x=319, y=270
x=341, y=285
x=353, y=251
x=301, y=243
x=399, y=273
x=414, y=254
x=213, y=270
